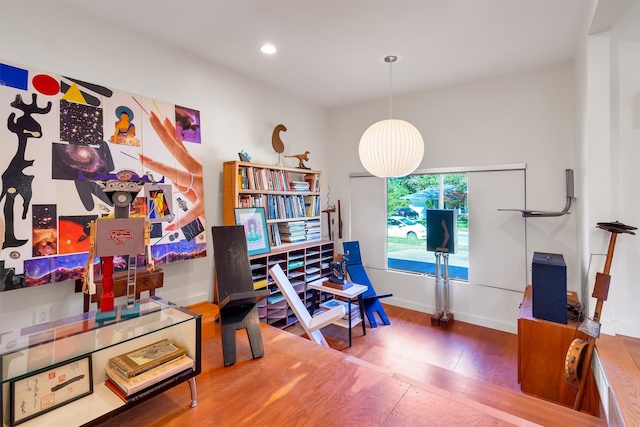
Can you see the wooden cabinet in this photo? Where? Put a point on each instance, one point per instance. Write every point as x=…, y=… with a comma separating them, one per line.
x=542, y=349
x=303, y=263
x=290, y=197
x=47, y=349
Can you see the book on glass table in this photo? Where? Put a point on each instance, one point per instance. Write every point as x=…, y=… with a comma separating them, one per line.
x=141, y=360
x=132, y=385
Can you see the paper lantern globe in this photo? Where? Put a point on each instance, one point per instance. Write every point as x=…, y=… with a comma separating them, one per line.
x=391, y=148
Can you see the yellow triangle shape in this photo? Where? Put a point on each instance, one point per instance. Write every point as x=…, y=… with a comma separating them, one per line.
x=74, y=95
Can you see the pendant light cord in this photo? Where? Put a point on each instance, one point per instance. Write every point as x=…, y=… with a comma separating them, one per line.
x=390, y=89
x=390, y=59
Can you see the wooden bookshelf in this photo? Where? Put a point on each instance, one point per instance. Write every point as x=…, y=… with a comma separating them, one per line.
x=303, y=263
x=290, y=197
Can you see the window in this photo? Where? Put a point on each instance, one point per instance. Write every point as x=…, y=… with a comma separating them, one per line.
x=408, y=199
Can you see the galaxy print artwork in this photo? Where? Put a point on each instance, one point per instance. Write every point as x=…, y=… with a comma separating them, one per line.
x=62, y=138
x=45, y=231
x=80, y=124
x=78, y=162
x=187, y=124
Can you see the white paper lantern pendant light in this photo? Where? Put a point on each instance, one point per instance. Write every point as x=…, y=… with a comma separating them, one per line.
x=391, y=148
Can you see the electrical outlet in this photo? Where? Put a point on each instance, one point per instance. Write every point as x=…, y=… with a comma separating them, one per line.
x=42, y=315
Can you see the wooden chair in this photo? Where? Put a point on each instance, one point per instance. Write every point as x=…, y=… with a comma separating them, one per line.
x=311, y=324
x=357, y=273
x=236, y=296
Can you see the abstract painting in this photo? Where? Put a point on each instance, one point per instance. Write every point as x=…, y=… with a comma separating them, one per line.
x=62, y=139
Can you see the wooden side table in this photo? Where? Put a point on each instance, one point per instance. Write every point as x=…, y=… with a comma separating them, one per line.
x=542, y=349
x=355, y=291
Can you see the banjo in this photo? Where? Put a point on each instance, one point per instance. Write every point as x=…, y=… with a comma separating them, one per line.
x=573, y=362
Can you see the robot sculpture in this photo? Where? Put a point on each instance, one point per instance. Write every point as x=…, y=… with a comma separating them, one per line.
x=118, y=236
x=339, y=270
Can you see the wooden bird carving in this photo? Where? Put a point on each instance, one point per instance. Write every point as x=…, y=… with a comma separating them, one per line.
x=276, y=142
x=301, y=159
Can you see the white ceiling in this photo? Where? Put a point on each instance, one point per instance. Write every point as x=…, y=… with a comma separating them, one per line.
x=330, y=52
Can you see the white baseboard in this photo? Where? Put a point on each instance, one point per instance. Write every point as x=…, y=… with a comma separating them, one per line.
x=463, y=317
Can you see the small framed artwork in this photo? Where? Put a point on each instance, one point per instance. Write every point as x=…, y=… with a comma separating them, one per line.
x=256, y=231
x=49, y=388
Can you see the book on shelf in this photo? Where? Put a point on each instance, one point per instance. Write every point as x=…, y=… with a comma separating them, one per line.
x=275, y=298
x=299, y=186
x=251, y=178
x=243, y=179
x=260, y=284
x=175, y=379
x=287, y=229
x=311, y=206
x=292, y=231
x=250, y=201
x=132, y=385
x=313, y=229
x=295, y=264
x=143, y=359
x=314, y=182
x=274, y=235
x=313, y=277
x=114, y=388
x=329, y=304
x=285, y=206
x=293, y=239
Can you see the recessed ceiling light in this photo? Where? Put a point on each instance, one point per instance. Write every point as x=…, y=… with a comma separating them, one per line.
x=268, y=48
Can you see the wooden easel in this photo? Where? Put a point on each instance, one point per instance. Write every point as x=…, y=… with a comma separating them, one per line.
x=600, y=291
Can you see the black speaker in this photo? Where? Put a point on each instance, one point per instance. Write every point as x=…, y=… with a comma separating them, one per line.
x=549, y=287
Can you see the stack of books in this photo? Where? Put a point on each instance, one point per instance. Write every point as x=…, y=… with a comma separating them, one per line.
x=132, y=374
x=299, y=186
x=355, y=310
x=313, y=229
x=292, y=231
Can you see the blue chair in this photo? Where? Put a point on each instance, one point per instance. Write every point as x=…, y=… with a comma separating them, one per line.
x=357, y=273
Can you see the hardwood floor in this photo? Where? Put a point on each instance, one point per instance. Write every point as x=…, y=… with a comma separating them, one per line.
x=405, y=374
x=480, y=353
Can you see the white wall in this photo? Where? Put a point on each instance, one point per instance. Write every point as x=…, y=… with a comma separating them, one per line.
x=237, y=114
x=526, y=117
x=610, y=154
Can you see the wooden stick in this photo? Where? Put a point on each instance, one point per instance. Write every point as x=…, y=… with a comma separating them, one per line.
x=591, y=343
x=339, y=221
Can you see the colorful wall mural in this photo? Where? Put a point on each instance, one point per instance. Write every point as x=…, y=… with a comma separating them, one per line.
x=65, y=139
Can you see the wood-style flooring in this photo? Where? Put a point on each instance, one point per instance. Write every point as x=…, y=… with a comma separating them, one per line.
x=405, y=374
x=410, y=342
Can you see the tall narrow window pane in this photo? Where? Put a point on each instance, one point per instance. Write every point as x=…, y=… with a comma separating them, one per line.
x=408, y=200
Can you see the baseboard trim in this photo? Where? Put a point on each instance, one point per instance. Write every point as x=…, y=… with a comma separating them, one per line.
x=463, y=317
